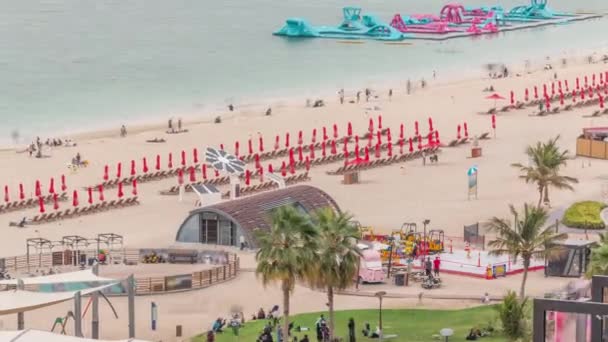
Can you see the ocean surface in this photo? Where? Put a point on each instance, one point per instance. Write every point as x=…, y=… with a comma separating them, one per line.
x=68, y=66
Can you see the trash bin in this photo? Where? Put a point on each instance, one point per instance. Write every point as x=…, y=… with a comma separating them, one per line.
x=400, y=279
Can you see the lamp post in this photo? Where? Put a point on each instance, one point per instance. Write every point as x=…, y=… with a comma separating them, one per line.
x=425, y=223
x=391, y=241
x=380, y=294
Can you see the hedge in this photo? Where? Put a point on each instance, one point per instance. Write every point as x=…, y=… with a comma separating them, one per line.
x=584, y=215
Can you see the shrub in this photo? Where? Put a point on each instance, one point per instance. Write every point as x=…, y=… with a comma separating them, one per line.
x=512, y=315
x=584, y=215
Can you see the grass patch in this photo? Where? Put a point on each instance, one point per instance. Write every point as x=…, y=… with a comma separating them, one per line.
x=409, y=325
x=584, y=215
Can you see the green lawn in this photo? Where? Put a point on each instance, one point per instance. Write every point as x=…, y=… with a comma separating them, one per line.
x=409, y=325
x=584, y=214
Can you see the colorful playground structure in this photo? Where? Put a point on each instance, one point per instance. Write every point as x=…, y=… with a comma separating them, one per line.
x=353, y=26
x=454, y=20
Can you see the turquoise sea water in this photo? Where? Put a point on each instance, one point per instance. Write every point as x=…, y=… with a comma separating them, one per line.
x=74, y=65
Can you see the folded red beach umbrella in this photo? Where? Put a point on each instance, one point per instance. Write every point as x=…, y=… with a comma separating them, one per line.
x=323, y=152
x=192, y=172
x=573, y=95
x=256, y=159
x=512, y=98
x=401, y=131
x=416, y=128
x=312, y=150
x=100, y=190
x=118, y=170
x=157, y=166
x=105, y=173
x=430, y=124
x=350, y=129
x=300, y=138
x=379, y=121
x=133, y=168
x=535, y=92
x=145, y=165
x=333, y=147
x=291, y=157
x=300, y=153
x=41, y=205
x=270, y=168
x=593, y=79
x=601, y=101
x=545, y=90
x=314, y=136
x=566, y=85
x=411, y=141
x=325, y=137
x=134, y=186
x=346, y=157
x=335, y=131
x=552, y=88
x=307, y=163
x=21, y=192
x=437, y=137
x=37, y=191
x=370, y=128
x=390, y=148
x=429, y=138
x=526, y=95
x=216, y=173
x=283, y=169
x=170, y=164
x=466, y=130
x=578, y=84
x=6, y=197
x=378, y=137
x=75, y=195
x=561, y=99
x=64, y=187
x=458, y=132
x=582, y=94
x=356, y=151
x=236, y=148
x=90, y=193
x=276, y=142
x=222, y=147
x=419, y=142
x=204, y=171
x=52, y=186
x=292, y=168
x=401, y=143
x=287, y=140
x=389, y=136
x=55, y=202
x=247, y=177
x=195, y=155
x=180, y=179
x=183, y=158
x=586, y=83
x=366, y=154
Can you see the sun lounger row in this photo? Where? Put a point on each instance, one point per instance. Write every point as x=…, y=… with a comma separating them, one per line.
x=174, y=190
x=80, y=211
x=147, y=177
x=29, y=203
x=383, y=161
x=289, y=180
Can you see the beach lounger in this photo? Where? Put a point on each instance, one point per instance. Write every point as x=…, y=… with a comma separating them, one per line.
x=58, y=216
x=555, y=110
x=491, y=111
x=76, y=212
x=35, y=219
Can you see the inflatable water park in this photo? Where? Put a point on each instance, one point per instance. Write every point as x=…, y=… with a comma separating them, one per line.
x=454, y=20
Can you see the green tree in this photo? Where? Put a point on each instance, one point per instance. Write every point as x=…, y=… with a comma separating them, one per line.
x=598, y=263
x=546, y=159
x=526, y=238
x=337, y=256
x=285, y=252
x=512, y=314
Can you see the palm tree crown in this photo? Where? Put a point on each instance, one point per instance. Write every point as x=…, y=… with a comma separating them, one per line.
x=527, y=238
x=546, y=159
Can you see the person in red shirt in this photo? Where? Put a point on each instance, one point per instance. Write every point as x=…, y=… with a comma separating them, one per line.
x=436, y=264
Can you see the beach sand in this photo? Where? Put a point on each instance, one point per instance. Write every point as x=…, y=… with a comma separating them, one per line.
x=386, y=197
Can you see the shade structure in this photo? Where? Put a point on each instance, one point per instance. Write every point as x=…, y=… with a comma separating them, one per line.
x=118, y=170
x=37, y=192
x=192, y=173
x=64, y=186
x=335, y=131
x=466, y=130
x=106, y=176
x=170, y=161
x=416, y=132
x=100, y=190
x=157, y=166
x=350, y=129
x=6, y=197
x=495, y=97
x=247, y=177
x=120, y=193
x=52, y=186
x=41, y=205
x=180, y=177
x=144, y=162
x=313, y=139
x=379, y=121
x=75, y=197
x=300, y=138
x=90, y=193
x=287, y=140
x=204, y=171
x=21, y=192
x=261, y=143
x=195, y=155
x=183, y=159
x=133, y=171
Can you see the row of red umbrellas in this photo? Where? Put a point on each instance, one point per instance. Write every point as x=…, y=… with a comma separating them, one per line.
x=603, y=80
x=37, y=189
x=90, y=200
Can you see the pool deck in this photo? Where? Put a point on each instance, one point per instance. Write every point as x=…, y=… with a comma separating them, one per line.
x=510, y=27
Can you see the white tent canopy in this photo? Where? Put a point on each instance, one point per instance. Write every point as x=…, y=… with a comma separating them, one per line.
x=15, y=301
x=37, y=336
x=71, y=277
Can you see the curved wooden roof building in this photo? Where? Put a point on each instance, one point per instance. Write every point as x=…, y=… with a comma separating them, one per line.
x=227, y=223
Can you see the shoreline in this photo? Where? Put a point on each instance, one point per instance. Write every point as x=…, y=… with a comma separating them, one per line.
x=256, y=106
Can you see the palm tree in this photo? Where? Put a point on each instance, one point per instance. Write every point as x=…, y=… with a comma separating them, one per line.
x=598, y=265
x=337, y=257
x=528, y=238
x=546, y=160
x=285, y=252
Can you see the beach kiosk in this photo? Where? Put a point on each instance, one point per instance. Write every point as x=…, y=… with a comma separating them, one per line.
x=573, y=261
x=593, y=143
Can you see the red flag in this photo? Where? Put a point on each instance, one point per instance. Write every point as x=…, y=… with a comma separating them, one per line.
x=75, y=195
x=64, y=187
x=52, y=186
x=21, y=192
x=41, y=205
x=55, y=202
x=134, y=190
x=132, y=167
x=192, y=174
x=90, y=193
x=195, y=155
x=100, y=190
x=145, y=165
x=105, y=173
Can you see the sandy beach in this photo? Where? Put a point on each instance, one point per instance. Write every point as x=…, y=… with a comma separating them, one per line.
x=385, y=198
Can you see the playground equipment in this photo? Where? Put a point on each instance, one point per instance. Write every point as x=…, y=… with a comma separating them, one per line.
x=436, y=239
x=62, y=322
x=353, y=26
x=537, y=10
x=370, y=269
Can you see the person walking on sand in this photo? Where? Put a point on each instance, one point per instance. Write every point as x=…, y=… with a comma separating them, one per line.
x=179, y=124
x=358, y=96
x=123, y=131
x=428, y=267
x=434, y=74
x=170, y=124
x=368, y=93
x=436, y=264
x=341, y=93
x=390, y=94
x=409, y=86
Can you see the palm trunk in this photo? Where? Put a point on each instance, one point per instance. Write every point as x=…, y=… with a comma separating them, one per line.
x=330, y=303
x=286, y=289
x=522, y=290
x=540, y=196
x=547, y=195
